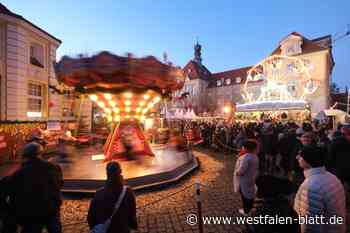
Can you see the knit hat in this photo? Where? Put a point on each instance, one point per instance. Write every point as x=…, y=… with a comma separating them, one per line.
x=32, y=150
x=113, y=168
x=313, y=155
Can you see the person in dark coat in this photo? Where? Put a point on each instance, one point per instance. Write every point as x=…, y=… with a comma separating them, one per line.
x=339, y=158
x=34, y=191
x=273, y=193
x=102, y=205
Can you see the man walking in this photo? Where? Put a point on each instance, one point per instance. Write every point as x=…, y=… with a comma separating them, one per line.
x=35, y=196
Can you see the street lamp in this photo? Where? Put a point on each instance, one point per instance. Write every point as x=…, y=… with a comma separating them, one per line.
x=227, y=109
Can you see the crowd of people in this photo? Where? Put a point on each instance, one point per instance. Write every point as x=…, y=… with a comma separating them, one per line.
x=285, y=170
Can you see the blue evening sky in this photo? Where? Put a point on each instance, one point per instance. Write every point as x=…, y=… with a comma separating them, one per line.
x=232, y=33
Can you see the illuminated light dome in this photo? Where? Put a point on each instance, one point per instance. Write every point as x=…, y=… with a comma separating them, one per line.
x=112, y=103
x=101, y=104
x=127, y=109
x=107, y=96
x=93, y=97
x=117, y=118
x=128, y=95
x=116, y=110
x=146, y=96
x=127, y=102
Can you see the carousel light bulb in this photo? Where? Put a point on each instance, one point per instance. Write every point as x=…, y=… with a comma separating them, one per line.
x=137, y=116
x=144, y=110
x=107, y=110
x=146, y=96
x=117, y=118
x=127, y=116
x=109, y=118
x=93, y=97
x=156, y=99
x=143, y=118
x=101, y=104
x=142, y=103
x=112, y=103
x=150, y=105
x=116, y=110
x=127, y=102
x=138, y=109
x=107, y=96
x=128, y=95
x=127, y=109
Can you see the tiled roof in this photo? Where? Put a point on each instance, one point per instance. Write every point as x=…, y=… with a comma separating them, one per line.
x=230, y=77
x=194, y=71
x=5, y=11
x=308, y=46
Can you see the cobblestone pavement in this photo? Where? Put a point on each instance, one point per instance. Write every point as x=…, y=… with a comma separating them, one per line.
x=159, y=213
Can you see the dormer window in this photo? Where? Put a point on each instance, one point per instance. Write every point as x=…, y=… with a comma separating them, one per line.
x=238, y=80
x=37, y=55
x=228, y=81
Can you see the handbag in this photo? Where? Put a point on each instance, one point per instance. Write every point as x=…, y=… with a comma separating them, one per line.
x=103, y=227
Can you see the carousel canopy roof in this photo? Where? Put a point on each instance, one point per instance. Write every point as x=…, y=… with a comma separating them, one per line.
x=112, y=73
x=271, y=106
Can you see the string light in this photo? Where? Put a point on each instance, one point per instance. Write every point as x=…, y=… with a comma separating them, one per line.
x=142, y=103
x=128, y=95
x=101, y=104
x=107, y=96
x=112, y=103
x=146, y=96
x=127, y=102
x=93, y=97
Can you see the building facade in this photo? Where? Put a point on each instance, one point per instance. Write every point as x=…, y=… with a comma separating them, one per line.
x=210, y=92
x=28, y=85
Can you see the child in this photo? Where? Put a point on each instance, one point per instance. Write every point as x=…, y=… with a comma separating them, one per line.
x=246, y=170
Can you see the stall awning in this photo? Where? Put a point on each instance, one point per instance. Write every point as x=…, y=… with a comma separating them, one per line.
x=271, y=106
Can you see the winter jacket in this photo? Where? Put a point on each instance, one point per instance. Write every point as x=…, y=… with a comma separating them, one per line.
x=321, y=194
x=246, y=171
x=271, y=207
x=35, y=190
x=102, y=206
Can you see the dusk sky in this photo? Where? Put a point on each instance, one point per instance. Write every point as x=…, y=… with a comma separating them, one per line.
x=232, y=33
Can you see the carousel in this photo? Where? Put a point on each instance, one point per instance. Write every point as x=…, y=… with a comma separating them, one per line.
x=277, y=88
x=127, y=92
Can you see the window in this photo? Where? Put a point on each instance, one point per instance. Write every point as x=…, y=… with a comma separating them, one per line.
x=35, y=100
x=238, y=80
x=218, y=83
x=37, y=55
x=228, y=81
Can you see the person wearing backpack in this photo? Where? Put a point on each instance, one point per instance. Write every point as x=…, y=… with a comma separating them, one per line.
x=113, y=207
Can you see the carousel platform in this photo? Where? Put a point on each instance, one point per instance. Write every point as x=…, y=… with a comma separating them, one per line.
x=82, y=174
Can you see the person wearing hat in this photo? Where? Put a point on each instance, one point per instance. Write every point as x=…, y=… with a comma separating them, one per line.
x=103, y=204
x=321, y=193
x=35, y=195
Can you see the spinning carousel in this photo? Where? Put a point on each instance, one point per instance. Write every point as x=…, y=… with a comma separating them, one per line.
x=128, y=91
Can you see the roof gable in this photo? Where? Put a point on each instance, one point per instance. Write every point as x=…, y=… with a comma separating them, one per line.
x=4, y=10
x=307, y=46
x=196, y=71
